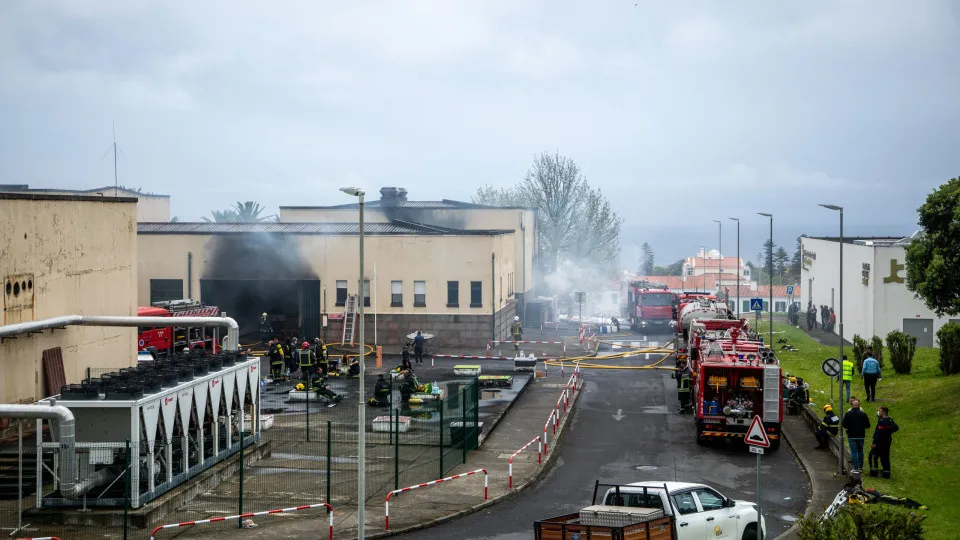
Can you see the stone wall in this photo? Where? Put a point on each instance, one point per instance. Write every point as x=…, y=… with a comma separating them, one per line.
x=462, y=331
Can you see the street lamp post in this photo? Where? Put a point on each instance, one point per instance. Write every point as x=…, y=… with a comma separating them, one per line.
x=738, y=265
x=770, y=267
x=840, y=376
x=720, y=260
x=361, y=410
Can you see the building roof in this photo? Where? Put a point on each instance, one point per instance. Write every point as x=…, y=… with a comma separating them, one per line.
x=443, y=204
x=853, y=239
x=44, y=196
x=700, y=262
x=25, y=188
x=336, y=229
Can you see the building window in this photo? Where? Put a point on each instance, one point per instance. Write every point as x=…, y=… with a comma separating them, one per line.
x=746, y=306
x=396, y=294
x=419, y=294
x=162, y=290
x=780, y=306
x=366, y=293
x=476, y=294
x=341, y=292
x=453, y=294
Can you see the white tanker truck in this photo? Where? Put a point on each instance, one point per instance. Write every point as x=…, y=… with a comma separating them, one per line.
x=701, y=310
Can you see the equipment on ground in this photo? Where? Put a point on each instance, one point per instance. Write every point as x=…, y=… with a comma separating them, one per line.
x=180, y=416
x=524, y=363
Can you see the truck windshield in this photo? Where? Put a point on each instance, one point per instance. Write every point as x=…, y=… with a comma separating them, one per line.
x=656, y=299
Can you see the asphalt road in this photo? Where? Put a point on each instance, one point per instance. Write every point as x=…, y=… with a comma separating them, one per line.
x=649, y=442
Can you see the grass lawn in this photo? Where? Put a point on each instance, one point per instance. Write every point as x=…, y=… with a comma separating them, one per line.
x=925, y=457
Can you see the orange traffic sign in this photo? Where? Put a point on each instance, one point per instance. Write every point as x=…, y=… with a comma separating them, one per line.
x=756, y=435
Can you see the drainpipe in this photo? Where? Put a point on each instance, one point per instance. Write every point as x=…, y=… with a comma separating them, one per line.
x=233, y=330
x=523, y=266
x=70, y=488
x=190, y=274
x=493, y=295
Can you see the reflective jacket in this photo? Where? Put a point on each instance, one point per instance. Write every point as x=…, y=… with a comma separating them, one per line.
x=306, y=357
x=831, y=423
x=847, y=370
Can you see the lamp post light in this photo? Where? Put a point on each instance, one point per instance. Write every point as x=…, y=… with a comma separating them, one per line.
x=361, y=410
x=840, y=377
x=738, y=265
x=770, y=266
x=720, y=260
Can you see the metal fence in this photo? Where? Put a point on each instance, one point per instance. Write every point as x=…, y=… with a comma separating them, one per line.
x=306, y=454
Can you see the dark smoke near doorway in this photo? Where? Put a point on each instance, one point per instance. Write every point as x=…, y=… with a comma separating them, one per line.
x=247, y=274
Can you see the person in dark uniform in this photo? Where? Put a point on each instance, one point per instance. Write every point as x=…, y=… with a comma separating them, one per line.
x=683, y=392
x=306, y=361
x=405, y=357
x=829, y=427
x=516, y=330
x=418, y=342
x=275, y=352
x=381, y=393
x=882, y=440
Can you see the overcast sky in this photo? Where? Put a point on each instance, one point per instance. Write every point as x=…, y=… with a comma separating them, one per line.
x=681, y=114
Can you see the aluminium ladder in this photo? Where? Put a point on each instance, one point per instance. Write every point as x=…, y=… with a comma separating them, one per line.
x=349, y=319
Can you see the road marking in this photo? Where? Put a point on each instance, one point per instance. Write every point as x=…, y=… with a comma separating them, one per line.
x=619, y=416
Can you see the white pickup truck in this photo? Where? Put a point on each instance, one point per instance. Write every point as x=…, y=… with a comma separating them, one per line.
x=657, y=510
x=700, y=511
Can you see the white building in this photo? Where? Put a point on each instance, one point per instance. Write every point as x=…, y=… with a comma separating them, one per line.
x=875, y=295
x=709, y=262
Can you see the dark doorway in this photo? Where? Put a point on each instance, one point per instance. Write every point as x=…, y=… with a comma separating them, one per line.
x=293, y=305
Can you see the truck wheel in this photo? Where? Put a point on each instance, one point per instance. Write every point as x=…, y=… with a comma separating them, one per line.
x=701, y=440
x=775, y=444
x=750, y=533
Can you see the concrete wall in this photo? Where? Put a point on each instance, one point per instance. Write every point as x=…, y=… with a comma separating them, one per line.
x=407, y=258
x=893, y=301
x=80, y=253
x=453, y=331
x=467, y=219
x=150, y=208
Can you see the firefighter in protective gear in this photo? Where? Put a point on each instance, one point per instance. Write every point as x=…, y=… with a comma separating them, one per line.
x=830, y=427
x=516, y=330
x=317, y=383
x=409, y=384
x=683, y=392
x=320, y=351
x=306, y=360
x=275, y=352
x=381, y=393
x=266, y=328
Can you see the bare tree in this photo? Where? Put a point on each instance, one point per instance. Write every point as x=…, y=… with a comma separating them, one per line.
x=575, y=222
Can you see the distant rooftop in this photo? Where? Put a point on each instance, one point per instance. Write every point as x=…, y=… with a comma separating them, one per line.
x=395, y=197
x=335, y=229
x=45, y=196
x=866, y=240
x=25, y=188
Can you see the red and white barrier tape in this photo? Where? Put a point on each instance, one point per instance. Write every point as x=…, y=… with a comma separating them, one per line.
x=249, y=514
x=539, y=442
x=386, y=507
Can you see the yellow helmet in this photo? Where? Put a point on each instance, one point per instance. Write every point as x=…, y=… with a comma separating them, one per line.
x=301, y=387
x=793, y=379
x=827, y=407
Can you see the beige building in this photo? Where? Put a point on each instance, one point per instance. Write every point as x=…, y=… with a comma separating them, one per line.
x=393, y=206
x=65, y=255
x=454, y=283
x=150, y=206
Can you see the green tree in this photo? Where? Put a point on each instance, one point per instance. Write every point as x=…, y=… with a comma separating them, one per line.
x=575, y=221
x=796, y=263
x=221, y=216
x=646, y=260
x=780, y=263
x=240, y=212
x=933, y=258
x=672, y=269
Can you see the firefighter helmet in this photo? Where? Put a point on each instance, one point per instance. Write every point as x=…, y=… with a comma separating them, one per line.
x=304, y=345
x=300, y=387
x=827, y=407
x=516, y=319
x=264, y=315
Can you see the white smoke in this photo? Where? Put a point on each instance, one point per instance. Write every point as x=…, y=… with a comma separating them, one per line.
x=603, y=296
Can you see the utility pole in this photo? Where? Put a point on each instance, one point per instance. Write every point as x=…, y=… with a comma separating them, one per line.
x=840, y=376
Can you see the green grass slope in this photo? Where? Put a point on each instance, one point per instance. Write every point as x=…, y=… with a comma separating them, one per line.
x=925, y=455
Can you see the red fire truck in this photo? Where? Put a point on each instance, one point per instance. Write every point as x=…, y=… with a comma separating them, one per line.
x=651, y=305
x=170, y=339
x=733, y=380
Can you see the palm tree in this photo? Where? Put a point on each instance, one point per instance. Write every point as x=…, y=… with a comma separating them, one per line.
x=222, y=216
x=249, y=212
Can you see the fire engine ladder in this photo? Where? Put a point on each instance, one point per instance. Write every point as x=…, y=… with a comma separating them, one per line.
x=349, y=319
x=771, y=393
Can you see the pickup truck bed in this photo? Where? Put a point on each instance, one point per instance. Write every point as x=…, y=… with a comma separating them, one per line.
x=569, y=527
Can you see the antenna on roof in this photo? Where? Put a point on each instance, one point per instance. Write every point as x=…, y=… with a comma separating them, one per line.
x=116, y=151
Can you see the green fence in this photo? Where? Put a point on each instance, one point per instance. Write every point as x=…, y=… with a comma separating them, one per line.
x=306, y=454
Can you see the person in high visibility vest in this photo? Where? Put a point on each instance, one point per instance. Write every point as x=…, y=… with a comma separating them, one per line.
x=847, y=375
x=516, y=330
x=306, y=359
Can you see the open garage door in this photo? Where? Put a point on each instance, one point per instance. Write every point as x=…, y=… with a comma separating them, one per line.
x=293, y=305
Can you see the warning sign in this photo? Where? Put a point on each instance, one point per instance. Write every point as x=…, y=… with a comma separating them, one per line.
x=756, y=435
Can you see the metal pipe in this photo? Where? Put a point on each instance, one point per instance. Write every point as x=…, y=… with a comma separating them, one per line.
x=70, y=488
x=233, y=330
